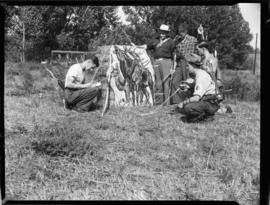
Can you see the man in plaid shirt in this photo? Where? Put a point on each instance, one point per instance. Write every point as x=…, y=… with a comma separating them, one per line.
x=185, y=44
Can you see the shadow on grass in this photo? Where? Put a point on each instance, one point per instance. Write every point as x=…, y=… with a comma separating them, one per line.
x=56, y=143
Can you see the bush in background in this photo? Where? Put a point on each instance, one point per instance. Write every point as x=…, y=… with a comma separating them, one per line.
x=245, y=86
x=24, y=79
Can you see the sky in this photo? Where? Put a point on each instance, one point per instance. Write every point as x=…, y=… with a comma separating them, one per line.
x=251, y=13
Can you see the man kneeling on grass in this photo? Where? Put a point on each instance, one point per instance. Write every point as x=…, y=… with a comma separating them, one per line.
x=80, y=96
x=205, y=99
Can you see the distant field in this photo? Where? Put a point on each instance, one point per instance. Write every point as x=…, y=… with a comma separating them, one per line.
x=250, y=63
x=55, y=154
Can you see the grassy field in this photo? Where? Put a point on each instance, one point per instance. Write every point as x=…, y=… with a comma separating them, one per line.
x=55, y=154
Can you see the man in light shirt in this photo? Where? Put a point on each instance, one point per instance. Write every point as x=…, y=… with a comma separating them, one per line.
x=210, y=65
x=81, y=96
x=204, y=102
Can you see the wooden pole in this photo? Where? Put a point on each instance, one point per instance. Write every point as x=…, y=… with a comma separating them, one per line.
x=23, y=44
x=254, y=66
x=23, y=37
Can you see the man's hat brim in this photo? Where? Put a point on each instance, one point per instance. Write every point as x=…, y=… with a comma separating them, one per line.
x=195, y=63
x=203, y=44
x=164, y=28
x=194, y=59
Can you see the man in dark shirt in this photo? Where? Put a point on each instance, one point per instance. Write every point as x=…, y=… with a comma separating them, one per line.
x=185, y=45
x=163, y=61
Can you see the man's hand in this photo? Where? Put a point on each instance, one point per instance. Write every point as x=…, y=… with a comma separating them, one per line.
x=200, y=29
x=180, y=105
x=184, y=87
x=187, y=84
x=98, y=84
x=141, y=46
x=172, y=71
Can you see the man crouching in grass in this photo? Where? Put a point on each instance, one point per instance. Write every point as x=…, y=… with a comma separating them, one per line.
x=204, y=102
x=80, y=96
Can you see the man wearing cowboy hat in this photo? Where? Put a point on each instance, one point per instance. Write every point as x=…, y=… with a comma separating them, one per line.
x=209, y=61
x=203, y=104
x=163, y=51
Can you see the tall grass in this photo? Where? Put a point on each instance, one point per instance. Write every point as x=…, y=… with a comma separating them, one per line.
x=24, y=79
x=249, y=63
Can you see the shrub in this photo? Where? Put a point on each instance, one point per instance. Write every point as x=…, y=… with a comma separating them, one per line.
x=244, y=85
x=27, y=78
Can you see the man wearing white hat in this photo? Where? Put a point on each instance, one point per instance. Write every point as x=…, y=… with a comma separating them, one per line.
x=163, y=54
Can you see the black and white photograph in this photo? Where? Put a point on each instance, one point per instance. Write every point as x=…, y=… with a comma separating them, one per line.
x=132, y=102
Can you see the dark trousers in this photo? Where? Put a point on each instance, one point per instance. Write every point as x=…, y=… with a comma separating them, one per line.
x=162, y=70
x=200, y=110
x=180, y=74
x=82, y=100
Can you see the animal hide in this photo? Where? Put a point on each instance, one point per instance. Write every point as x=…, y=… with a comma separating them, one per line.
x=130, y=76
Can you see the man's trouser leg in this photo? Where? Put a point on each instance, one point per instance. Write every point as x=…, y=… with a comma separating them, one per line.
x=180, y=74
x=158, y=85
x=165, y=70
x=83, y=99
x=184, y=69
x=200, y=110
x=162, y=70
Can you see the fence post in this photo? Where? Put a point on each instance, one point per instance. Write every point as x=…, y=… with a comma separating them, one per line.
x=254, y=66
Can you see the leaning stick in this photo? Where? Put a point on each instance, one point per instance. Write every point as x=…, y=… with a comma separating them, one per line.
x=51, y=73
x=96, y=71
x=153, y=112
x=106, y=104
x=107, y=100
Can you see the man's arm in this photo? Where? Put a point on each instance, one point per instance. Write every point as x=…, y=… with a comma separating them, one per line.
x=140, y=46
x=204, y=66
x=218, y=73
x=73, y=83
x=199, y=91
x=194, y=98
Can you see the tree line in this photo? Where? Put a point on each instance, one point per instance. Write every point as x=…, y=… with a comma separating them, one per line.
x=84, y=28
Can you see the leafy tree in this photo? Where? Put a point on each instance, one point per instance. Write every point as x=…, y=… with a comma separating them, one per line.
x=40, y=29
x=51, y=27
x=85, y=23
x=142, y=28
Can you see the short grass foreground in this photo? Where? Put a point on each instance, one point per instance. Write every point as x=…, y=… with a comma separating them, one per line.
x=55, y=154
